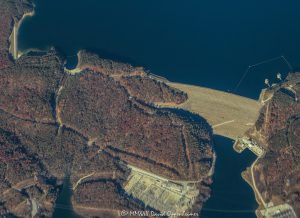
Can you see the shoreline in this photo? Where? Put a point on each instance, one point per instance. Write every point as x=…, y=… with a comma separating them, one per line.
x=27, y=14
x=245, y=175
x=248, y=177
x=77, y=69
x=212, y=169
x=13, y=39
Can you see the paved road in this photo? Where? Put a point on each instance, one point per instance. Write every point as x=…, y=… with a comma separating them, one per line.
x=254, y=184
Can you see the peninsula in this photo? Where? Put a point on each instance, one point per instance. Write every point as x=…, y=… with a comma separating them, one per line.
x=100, y=128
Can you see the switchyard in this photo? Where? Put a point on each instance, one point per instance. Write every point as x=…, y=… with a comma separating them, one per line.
x=160, y=193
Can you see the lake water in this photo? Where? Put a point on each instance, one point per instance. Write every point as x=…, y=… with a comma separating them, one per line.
x=208, y=42
x=202, y=42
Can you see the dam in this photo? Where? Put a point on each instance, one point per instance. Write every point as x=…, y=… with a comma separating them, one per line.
x=229, y=115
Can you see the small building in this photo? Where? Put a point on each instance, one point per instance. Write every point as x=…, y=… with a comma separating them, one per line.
x=279, y=211
x=252, y=146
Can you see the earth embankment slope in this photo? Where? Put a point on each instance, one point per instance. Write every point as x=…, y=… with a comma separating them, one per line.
x=230, y=115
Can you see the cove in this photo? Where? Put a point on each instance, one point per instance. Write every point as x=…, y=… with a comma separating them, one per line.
x=63, y=204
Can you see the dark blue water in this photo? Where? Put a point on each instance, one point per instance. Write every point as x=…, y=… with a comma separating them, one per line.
x=63, y=207
x=207, y=42
x=231, y=196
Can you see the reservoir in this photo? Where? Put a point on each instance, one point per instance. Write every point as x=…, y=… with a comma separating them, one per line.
x=208, y=43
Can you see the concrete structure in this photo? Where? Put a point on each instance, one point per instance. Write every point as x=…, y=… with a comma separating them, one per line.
x=279, y=211
x=160, y=193
x=243, y=143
